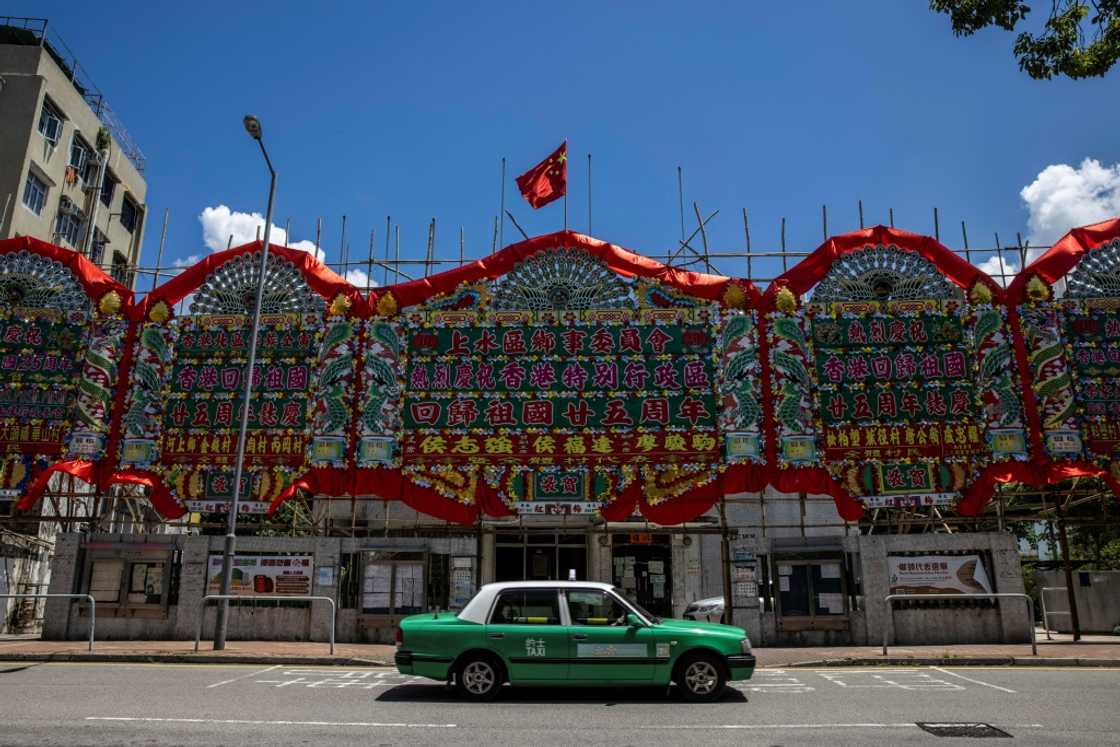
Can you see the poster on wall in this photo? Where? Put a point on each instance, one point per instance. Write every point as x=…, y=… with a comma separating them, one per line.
x=264, y=575
x=938, y=574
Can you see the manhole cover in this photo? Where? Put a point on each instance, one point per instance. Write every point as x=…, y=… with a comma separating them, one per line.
x=961, y=729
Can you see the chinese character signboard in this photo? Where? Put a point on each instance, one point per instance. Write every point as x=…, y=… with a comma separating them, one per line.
x=937, y=574
x=62, y=330
x=185, y=399
x=556, y=384
x=888, y=375
x=264, y=575
x=1068, y=308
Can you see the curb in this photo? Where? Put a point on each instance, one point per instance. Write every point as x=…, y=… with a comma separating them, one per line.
x=317, y=661
x=964, y=661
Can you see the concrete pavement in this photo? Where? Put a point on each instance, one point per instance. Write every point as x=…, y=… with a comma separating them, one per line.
x=1090, y=651
x=161, y=704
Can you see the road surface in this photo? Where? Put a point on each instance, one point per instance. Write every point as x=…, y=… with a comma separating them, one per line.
x=105, y=704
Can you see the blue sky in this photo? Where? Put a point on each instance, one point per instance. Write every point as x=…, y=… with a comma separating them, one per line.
x=405, y=109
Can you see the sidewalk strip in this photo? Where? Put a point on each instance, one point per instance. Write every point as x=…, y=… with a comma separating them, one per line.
x=235, y=679
x=975, y=682
x=256, y=722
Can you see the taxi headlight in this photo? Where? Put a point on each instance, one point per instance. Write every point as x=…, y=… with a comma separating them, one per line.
x=745, y=645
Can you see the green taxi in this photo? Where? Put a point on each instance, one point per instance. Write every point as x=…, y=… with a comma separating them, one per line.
x=569, y=633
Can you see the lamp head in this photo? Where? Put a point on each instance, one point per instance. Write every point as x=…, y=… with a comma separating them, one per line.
x=253, y=126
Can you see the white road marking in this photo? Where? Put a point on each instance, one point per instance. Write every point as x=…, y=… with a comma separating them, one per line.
x=902, y=680
x=975, y=682
x=261, y=722
x=763, y=727
x=910, y=725
x=250, y=674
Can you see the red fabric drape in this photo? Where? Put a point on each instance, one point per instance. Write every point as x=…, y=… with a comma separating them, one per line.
x=85, y=471
x=320, y=278
x=808, y=272
x=622, y=261
x=1063, y=256
x=95, y=282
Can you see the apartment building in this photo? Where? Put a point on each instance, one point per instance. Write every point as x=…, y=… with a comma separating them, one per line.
x=69, y=172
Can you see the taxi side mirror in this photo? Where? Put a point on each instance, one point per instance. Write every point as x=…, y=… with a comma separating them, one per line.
x=634, y=621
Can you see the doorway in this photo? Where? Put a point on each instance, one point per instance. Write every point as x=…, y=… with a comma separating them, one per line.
x=642, y=567
x=523, y=556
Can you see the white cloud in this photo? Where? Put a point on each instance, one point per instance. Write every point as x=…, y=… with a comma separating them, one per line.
x=186, y=262
x=996, y=266
x=219, y=223
x=359, y=279
x=1064, y=197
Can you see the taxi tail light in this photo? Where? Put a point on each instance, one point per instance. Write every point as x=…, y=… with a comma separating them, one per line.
x=400, y=637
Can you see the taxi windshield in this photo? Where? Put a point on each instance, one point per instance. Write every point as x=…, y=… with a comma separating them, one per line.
x=630, y=600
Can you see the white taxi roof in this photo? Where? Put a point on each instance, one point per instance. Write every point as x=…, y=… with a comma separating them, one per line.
x=477, y=609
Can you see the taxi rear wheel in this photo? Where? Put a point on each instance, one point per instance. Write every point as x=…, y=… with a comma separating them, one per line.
x=701, y=678
x=479, y=678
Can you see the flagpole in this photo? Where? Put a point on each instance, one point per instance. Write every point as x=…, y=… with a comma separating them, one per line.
x=589, y=195
x=565, y=167
x=502, y=208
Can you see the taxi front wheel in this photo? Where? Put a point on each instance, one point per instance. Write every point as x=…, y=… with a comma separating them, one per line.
x=701, y=678
x=479, y=678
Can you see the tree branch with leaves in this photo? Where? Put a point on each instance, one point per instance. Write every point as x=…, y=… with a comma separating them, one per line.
x=1079, y=39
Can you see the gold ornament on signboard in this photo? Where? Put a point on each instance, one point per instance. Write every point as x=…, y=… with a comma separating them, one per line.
x=110, y=303
x=786, y=302
x=340, y=305
x=387, y=305
x=980, y=294
x=1037, y=290
x=734, y=297
x=160, y=313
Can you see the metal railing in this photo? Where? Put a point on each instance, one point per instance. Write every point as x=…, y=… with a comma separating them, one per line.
x=889, y=617
x=270, y=597
x=88, y=597
x=1045, y=613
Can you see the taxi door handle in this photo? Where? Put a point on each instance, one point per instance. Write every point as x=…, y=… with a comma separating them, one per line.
x=579, y=637
x=495, y=635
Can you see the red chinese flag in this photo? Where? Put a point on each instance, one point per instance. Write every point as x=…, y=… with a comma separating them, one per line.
x=548, y=180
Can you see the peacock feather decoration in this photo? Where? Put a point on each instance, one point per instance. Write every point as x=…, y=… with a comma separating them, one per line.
x=1097, y=274
x=562, y=279
x=883, y=273
x=33, y=282
x=232, y=289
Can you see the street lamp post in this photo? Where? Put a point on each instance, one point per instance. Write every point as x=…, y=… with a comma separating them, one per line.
x=253, y=127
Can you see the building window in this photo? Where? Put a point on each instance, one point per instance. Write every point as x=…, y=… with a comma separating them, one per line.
x=34, y=194
x=50, y=122
x=393, y=583
x=130, y=214
x=70, y=223
x=80, y=154
x=120, y=271
x=97, y=250
x=108, y=189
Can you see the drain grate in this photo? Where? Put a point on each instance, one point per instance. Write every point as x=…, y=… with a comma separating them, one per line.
x=975, y=730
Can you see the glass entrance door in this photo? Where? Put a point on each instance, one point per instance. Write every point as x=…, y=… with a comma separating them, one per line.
x=642, y=567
